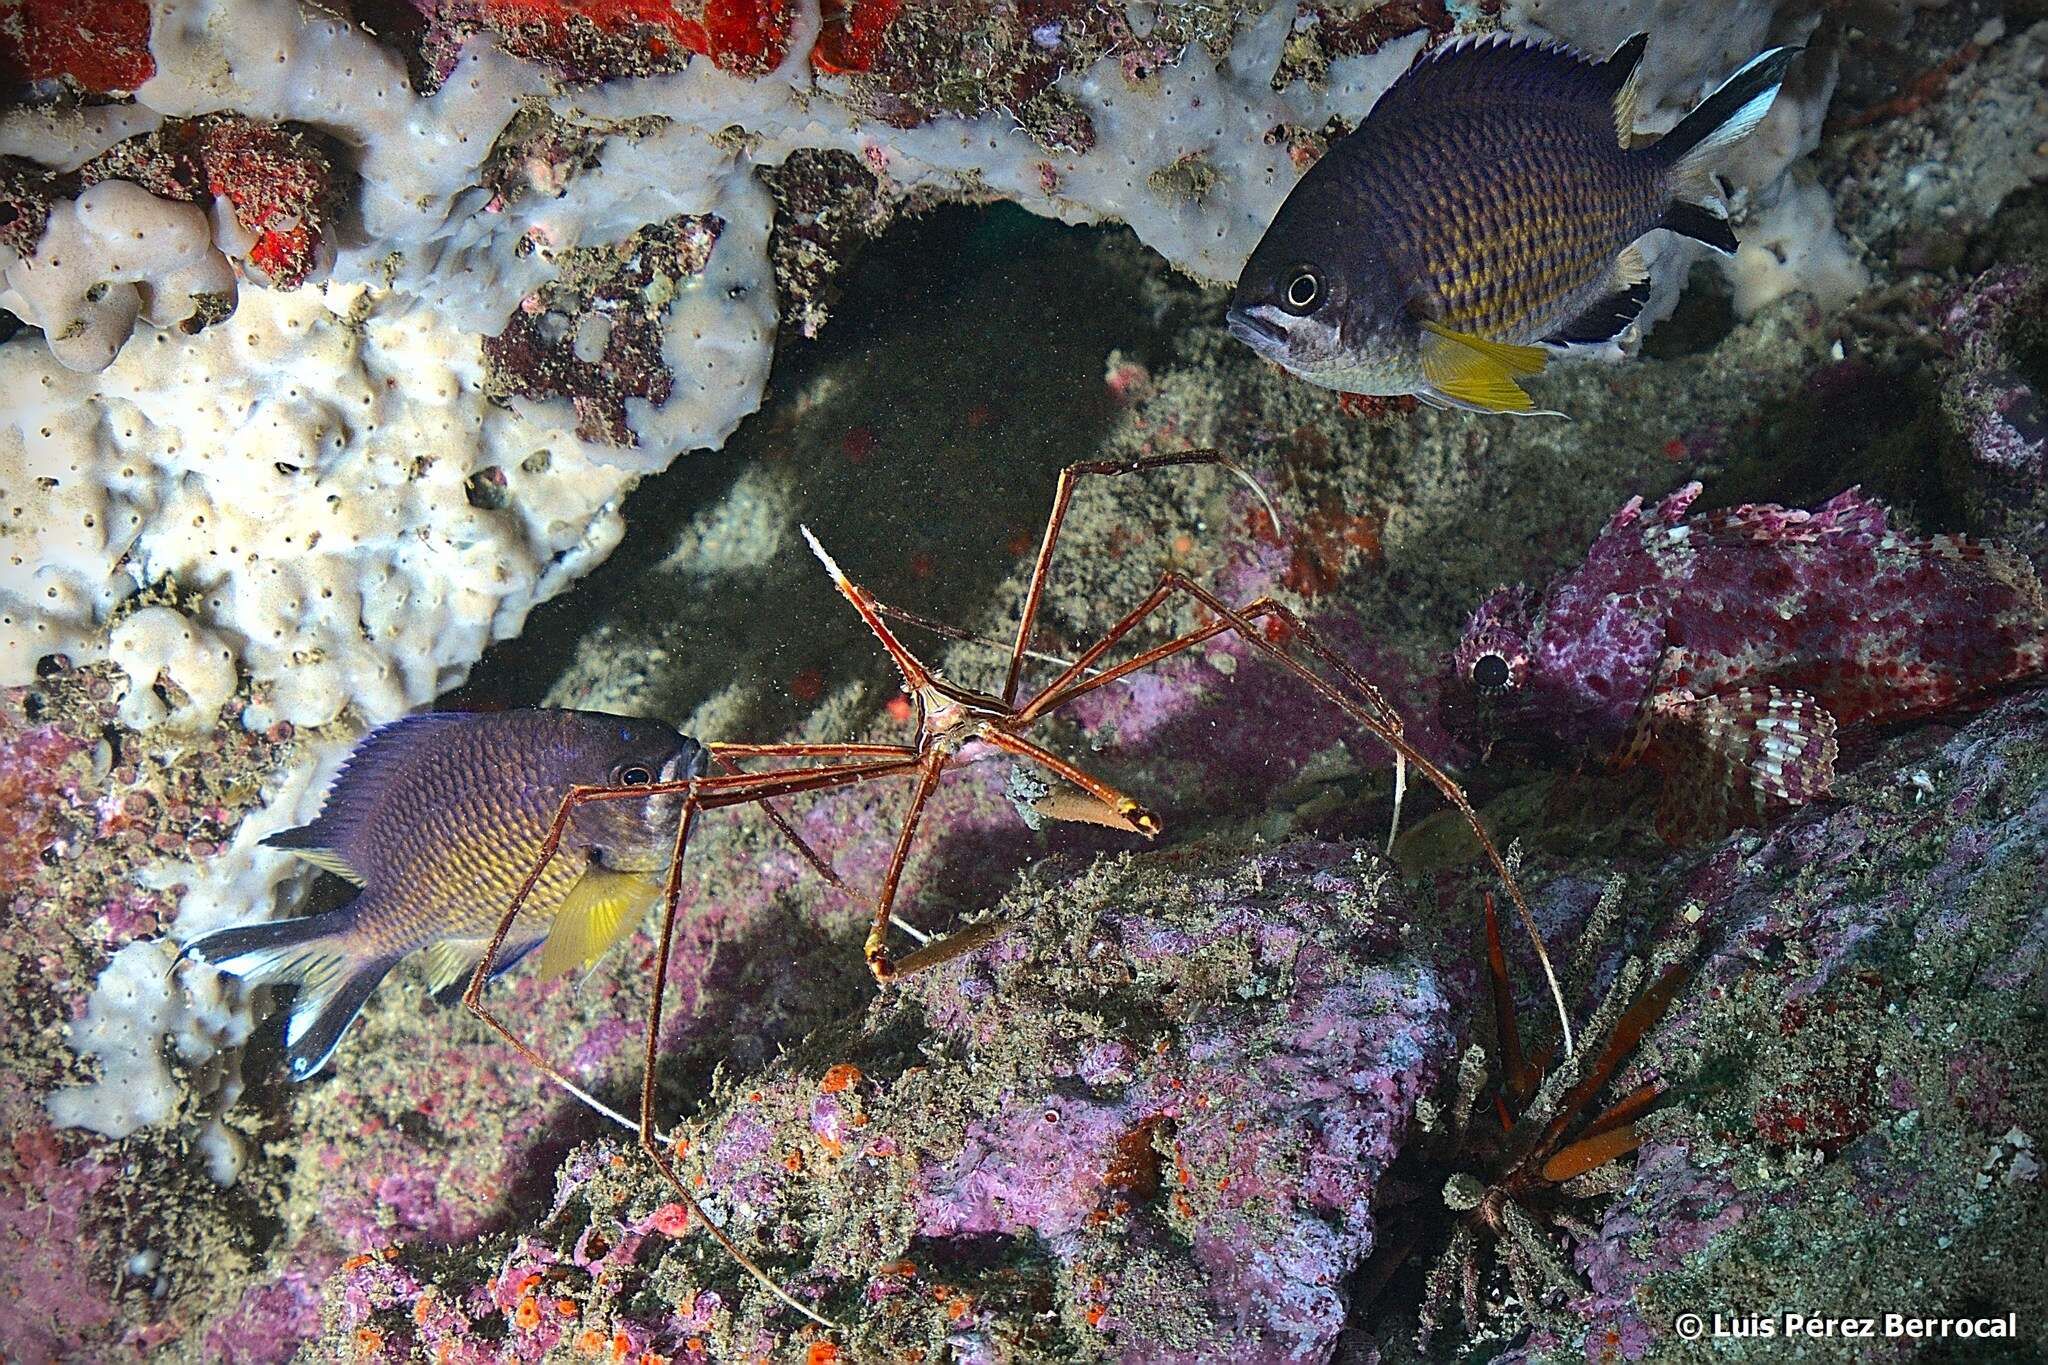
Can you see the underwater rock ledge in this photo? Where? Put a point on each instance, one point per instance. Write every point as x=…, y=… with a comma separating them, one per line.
x=432, y=1137
x=1863, y=1086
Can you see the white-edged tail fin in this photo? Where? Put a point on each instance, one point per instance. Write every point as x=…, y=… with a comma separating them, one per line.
x=1723, y=119
x=313, y=953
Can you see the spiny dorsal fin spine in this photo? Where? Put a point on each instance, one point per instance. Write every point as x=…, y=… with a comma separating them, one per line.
x=355, y=801
x=1487, y=68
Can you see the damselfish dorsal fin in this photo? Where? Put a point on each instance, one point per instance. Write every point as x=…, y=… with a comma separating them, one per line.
x=1625, y=69
x=342, y=837
x=326, y=859
x=1477, y=373
x=598, y=911
x=1498, y=69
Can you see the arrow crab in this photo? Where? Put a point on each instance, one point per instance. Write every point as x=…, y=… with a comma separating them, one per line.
x=950, y=720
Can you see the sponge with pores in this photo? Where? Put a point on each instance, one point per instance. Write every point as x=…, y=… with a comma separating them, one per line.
x=159, y=642
x=115, y=253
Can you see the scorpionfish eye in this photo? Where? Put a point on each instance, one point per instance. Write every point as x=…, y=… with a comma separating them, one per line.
x=634, y=776
x=1490, y=673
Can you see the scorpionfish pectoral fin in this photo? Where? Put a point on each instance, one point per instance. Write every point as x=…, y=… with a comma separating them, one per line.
x=1729, y=757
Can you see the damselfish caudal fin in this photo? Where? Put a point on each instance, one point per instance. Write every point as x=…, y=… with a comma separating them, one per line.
x=312, y=953
x=1723, y=119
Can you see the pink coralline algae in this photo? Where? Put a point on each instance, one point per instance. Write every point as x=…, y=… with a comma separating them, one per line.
x=268, y=1326
x=1288, y=1112
x=36, y=782
x=1726, y=649
x=1171, y=1090
x=1987, y=392
x=45, y=1242
x=1857, y=1058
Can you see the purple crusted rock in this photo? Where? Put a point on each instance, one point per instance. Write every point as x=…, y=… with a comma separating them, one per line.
x=274, y=1317
x=1994, y=329
x=1858, y=1082
x=1987, y=393
x=1147, y=1120
x=45, y=1240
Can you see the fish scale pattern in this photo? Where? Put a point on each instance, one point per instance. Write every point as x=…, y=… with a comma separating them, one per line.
x=458, y=886
x=1505, y=220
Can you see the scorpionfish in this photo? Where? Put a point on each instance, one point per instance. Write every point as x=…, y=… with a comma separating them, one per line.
x=1728, y=649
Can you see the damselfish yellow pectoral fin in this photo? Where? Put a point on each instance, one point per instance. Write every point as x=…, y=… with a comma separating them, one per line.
x=1478, y=372
x=598, y=911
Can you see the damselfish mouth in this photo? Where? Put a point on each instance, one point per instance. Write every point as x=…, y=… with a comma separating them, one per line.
x=1255, y=332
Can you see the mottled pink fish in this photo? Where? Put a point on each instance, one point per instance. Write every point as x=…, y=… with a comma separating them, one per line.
x=1728, y=649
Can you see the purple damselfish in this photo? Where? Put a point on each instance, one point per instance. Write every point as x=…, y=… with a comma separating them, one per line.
x=1487, y=209
x=1727, y=649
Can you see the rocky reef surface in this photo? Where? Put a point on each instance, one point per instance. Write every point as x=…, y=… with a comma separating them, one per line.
x=1152, y=1119
x=289, y=512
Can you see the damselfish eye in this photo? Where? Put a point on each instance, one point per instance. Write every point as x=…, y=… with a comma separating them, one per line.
x=635, y=776
x=1490, y=673
x=1303, y=291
